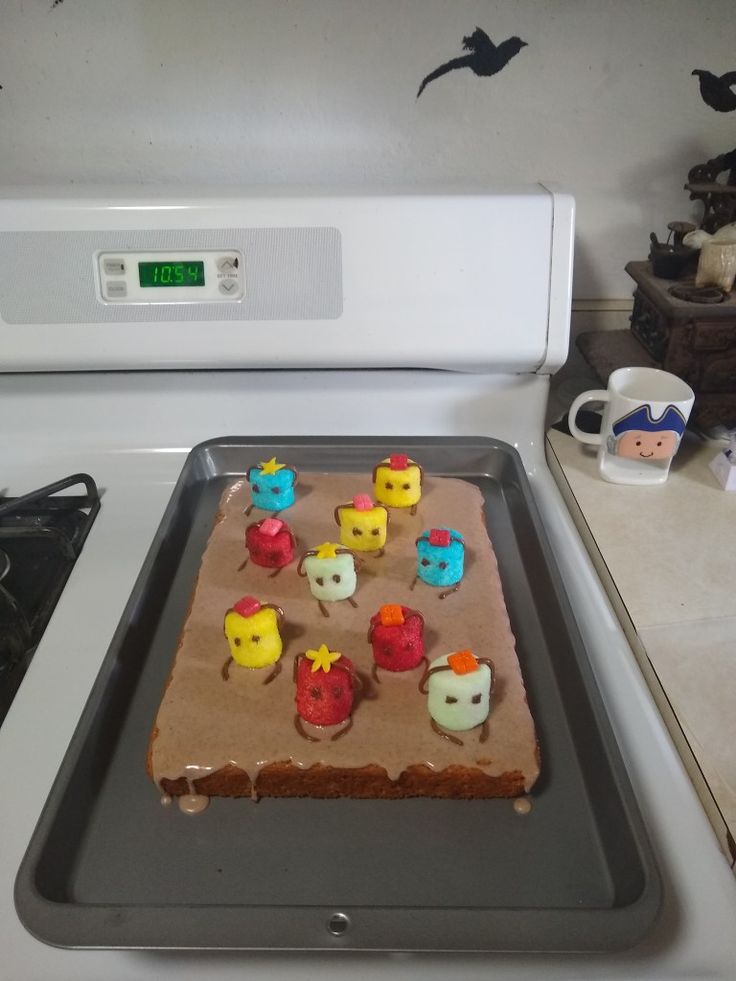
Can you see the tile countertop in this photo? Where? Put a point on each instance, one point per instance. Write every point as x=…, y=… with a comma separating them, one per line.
x=666, y=556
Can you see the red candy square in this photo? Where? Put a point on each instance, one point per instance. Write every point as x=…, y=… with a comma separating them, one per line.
x=398, y=461
x=439, y=537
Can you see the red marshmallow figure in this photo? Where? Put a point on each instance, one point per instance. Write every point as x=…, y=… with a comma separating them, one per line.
x=270, y=543
x=326, y=683
x=397, y=636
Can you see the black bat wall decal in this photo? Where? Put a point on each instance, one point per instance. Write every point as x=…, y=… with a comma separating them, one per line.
x=485, y=58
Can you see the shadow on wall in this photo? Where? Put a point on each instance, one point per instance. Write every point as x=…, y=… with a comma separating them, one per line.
x=586, y=271
x=658, y=178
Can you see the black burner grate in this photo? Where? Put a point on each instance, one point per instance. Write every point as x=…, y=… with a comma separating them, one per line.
x=41, y=535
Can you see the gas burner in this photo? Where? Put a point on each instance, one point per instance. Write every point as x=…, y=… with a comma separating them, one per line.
x=697, y=294
x=41, y=536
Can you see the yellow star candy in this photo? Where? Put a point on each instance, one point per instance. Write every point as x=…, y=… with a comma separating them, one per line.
x=271, y=466
x=323, y=658
x=327, y=550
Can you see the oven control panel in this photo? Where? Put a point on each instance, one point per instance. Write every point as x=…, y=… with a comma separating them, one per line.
x=172, y=276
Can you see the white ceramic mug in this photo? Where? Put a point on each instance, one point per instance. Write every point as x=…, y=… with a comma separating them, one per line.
x=646, y=411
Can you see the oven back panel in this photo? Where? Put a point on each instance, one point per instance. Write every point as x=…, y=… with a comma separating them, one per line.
x=458, y=280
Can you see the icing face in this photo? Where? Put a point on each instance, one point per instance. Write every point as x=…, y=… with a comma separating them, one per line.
x=331, y=579
x=254, y=641
x=397, y=488
x=638, y=445
x=324, y=698
x=440, y=565
x=459, y=702
x=272, y=491
x=363, y=530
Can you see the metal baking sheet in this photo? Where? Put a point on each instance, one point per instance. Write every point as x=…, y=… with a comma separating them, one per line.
x=107, y=866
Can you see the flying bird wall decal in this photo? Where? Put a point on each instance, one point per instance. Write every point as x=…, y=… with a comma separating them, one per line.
x=485, y=58
x=717, y=91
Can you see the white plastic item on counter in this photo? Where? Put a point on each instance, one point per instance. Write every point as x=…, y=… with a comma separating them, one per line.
x=723, y=466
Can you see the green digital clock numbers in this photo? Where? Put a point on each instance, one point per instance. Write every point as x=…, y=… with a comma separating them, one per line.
x=171, y=273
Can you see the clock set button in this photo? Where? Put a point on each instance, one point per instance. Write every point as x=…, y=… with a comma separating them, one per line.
x=113, y=267
x=227, y=263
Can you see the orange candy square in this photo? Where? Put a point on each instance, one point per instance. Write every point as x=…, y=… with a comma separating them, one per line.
x=391, y=615
x=462, y=662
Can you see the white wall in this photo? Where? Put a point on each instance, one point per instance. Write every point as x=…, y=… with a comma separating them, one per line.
x=322, y=91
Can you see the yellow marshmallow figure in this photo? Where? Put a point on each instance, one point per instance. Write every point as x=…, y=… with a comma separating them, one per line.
x=252, y=632
x=363, y=524
x=397, y=482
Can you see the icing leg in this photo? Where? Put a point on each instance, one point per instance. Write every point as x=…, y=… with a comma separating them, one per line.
x=446, y=592
x=274, y=674
x=300, y=729
x=352, y=602
x=243, y=564
x=275, y=572
x=323, y=608
x=484, y=731
x=445, y=735
x=374, y=673
x=225, y=669
x=341, y=733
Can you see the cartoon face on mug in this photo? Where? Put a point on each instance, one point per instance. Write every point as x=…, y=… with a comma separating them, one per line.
x=638, y=436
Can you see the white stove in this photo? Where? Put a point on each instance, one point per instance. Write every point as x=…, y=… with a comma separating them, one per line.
x=343, y=314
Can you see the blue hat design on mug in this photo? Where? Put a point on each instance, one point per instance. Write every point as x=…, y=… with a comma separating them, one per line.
x=641, y=419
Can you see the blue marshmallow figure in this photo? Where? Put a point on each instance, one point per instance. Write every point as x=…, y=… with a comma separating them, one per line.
x=272, y=486
x=440, y=558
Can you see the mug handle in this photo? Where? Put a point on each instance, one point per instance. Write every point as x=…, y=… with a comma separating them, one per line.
x=595, y=395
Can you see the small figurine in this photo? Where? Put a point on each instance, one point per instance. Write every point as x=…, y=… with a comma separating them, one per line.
x=363, y=524
x=459, y=687
x=397, y=636
x=397, y=482
x=326, y=683
x=270, y=543
x=272, y=486
x=440, y=559
x=252, y=631
x=331, y=572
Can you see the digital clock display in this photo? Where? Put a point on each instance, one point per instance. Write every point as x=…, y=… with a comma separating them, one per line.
x=171, y=273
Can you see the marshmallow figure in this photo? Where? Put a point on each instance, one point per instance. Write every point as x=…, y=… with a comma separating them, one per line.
x=396, y=634
x=270, y=543
x=397, y=482
x=363, y=524
x=272, y=486
x=458, y=688
x=440, y=558
x=326, y=684
x=252, y=632
x=331, y=573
